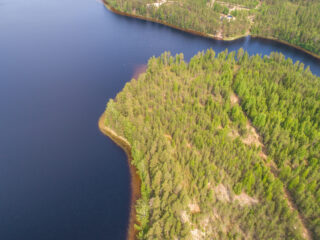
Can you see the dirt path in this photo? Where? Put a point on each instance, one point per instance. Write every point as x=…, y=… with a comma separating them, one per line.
x=232, y=6
x=257, y=140
x=305, y=231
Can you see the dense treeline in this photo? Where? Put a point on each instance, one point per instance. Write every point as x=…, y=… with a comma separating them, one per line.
x=294, y=21
x=200, y=177
x=189, y=14
x=283, y=101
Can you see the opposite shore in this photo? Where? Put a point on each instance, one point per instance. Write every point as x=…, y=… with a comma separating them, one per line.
x=135, y=179
x=112, y=9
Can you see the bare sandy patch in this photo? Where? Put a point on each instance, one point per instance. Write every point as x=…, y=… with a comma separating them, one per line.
x=194, y=207
x=224, y=194
x=233, y=134
x=252, y=136
x=197, y=234
x=234, y=99
x=184, y=217
x=263, y=155
x=244, y=199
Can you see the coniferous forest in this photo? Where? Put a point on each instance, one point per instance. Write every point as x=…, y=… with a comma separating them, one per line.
x=226, y=146
x=294, y=21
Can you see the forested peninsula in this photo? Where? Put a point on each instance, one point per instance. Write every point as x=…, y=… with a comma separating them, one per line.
x=296, y=22
x=226, y=146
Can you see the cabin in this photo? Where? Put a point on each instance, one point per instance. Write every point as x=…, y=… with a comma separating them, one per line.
x=227, y=17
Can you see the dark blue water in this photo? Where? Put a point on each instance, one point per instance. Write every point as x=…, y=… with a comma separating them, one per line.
x=60, y=62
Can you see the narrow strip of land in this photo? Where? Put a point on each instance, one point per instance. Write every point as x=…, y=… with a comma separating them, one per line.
x=135, y=180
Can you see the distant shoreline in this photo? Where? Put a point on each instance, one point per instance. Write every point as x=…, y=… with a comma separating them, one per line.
x=135, y=180
x=112, y=9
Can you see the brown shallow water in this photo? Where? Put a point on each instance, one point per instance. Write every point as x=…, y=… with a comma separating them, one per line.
x=135, y=182
x=60, y=62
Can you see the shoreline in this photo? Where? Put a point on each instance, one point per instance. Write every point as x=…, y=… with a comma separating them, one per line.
x=112, y=9
x=135, y=183
x=288, y=44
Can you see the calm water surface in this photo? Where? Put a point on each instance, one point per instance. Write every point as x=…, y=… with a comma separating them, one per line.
x=60, y=62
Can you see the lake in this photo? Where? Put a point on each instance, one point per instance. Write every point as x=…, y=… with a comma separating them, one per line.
x=60, y=62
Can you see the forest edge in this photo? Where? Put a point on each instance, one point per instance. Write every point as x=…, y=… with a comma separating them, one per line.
x=135, y=182
x=112, y=9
